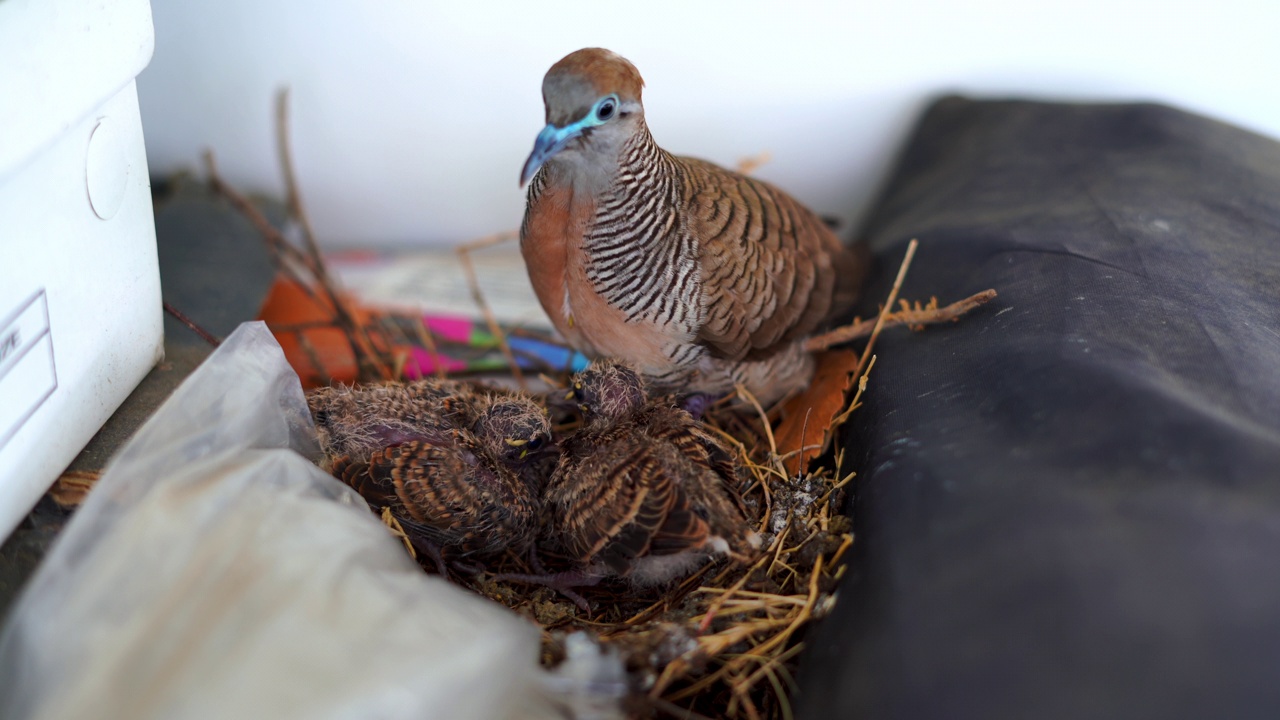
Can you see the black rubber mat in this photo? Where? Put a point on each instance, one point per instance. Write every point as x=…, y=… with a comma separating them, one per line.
x=1068, y=505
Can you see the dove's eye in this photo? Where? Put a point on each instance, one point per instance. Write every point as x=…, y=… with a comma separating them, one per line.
x=606, y=107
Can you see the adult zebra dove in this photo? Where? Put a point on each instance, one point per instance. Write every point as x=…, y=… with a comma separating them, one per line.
x=700, y=276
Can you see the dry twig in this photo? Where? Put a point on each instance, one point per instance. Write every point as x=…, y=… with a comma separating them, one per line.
x=464, y=255
x=182, y=317
x=370, y=366
x=911, y=317
x=295, y=263
x=884, y=312
x=748, y=165
x=396, y=529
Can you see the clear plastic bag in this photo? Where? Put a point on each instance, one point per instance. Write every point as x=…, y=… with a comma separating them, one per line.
x=216, y=573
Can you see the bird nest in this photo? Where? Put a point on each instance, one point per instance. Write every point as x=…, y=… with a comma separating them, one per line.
x=724, y=641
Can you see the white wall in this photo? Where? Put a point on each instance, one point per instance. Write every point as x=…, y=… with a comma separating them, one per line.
x=412, y=119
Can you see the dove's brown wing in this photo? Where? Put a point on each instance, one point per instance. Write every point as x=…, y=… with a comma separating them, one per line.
x=771, y=270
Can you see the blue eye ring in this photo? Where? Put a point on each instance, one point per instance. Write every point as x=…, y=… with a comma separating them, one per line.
x=607, y=108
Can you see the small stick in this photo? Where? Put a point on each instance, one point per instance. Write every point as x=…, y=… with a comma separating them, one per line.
x=663, y=605
x=464, y=255
x=768, y=664
x=282, y=252
x=778, y=690
x=801, y=619
x=424, y=334
x=718, y=643
x=720, y=601
x=787, y=567
x=301, y=326
x=804, y=432
x=399, y=360
x=884, y=311
x=750, y=707
x=857, y=396
x=779, y=541
x=764, y=420
x=490, y=240
x=397, y=530
x=293, y=200
x=181, y=317
x=935, y=316
x=369, y=367
x=322, y=373
x=710, y=646
x=793, y=599
x=826, y=498
x=844, y=545
x=793, y=550
x=276, y=241
x=749, y=164
x=282, y=248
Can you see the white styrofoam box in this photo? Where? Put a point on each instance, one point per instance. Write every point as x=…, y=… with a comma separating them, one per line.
x=60, y=59
x=80, y=309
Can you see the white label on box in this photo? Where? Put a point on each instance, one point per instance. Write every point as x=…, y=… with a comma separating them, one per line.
x=27, y=372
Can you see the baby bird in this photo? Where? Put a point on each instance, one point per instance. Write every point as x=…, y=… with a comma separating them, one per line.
x=525, y=430
x=641, y=491
x=466, y=491
x=701, y=277
x=355, y=421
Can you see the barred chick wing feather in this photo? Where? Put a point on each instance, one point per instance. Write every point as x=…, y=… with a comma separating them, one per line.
x=638, y=508
x=446, y=495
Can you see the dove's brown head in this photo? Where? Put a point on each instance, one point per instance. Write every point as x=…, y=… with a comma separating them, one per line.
x=592, y=99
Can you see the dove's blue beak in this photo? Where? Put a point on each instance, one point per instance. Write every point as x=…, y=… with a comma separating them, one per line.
x=550, y=141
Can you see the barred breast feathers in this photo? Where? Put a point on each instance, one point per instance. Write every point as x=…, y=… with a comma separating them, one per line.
x=640, y=254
